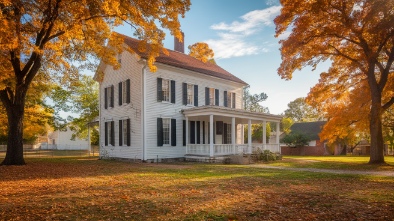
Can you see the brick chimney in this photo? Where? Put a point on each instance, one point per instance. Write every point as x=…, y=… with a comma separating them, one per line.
x=179, y=46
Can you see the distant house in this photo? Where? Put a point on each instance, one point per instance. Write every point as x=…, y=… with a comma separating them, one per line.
x=316, y=146
x=61, y=140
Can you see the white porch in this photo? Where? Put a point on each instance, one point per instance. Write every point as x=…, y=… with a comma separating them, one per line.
x=214, y=131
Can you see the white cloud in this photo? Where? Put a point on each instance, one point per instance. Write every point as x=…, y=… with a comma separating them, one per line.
x=252, y=21
x=234, y=39
x=284, y=35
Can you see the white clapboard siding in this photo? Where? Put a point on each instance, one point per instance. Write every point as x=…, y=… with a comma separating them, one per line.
x=155, y=109
x=130, y=69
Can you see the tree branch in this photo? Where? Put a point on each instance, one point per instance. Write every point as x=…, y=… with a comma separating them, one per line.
x=388, y=104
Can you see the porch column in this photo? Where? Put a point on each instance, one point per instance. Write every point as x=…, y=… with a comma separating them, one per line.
x=277, y=135
x=211, y=135
x=264, y=134
x=249, y=136
x=233, y=134
x=187, y=134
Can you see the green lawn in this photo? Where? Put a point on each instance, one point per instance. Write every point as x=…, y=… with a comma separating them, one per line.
x=83, y=188
x=335, y=162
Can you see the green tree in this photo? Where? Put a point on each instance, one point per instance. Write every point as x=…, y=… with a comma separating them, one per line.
x=357, y=37
x=50, y=35
x=296, y=139
x=252, y=102
x=299, y=111
x=81, y=98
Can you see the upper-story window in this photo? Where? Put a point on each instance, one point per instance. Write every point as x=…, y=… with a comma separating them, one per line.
x=211, y=96
x=124, y=92
x=165, y=90
x=109, y=97
x=231, y=100
x=190, y=94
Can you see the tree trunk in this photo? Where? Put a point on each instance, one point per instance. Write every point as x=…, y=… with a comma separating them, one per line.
x=14, y=155
x=376, y=152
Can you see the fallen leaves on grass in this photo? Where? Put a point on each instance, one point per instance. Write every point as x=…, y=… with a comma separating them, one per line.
x=72, y=189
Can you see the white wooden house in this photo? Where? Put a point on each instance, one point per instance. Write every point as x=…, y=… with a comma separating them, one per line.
x=185, y=108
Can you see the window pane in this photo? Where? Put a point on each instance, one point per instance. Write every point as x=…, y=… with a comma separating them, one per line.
x=190, y=94
x=211, y=96
x=166, y=131
x=124, y=125
x=124, y=91
x=229, y=133
x=166, y=90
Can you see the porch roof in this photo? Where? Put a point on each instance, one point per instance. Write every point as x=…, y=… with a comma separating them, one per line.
x=230, y=112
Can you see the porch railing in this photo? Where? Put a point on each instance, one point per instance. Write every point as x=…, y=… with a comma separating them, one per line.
x=227, y=149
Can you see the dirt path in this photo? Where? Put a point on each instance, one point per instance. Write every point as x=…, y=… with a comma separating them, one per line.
x=316, y=170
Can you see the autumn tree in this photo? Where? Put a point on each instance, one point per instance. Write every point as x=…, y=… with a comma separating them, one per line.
x=51, y=35
x=202, y=52
x=300, y=111
x=357, y=36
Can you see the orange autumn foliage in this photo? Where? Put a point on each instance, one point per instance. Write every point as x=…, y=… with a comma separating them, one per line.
x=55, y=36
x=202, y=52
x=357, y=36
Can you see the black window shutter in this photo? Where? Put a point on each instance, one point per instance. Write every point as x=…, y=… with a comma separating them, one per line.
x=128, y=133
x=207, y=96
x=106, y=133
x=196, y=95
x=120, y=93
x=159, y=132
x=112, y=96
x=173, y=92
x=128, y=91
x=184, y=93
x=225, y=133
x=159, y=90
x=203, y=132
x=120, y=133
x=217, y=97
x=198, y=131
x=105, y=98
x=225, y=98
x=173, y=132
x=113, y=133
x=184, y=132
x=192, y=132
x=233, y=103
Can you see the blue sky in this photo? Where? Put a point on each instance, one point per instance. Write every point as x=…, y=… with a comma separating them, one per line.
x=241, y=34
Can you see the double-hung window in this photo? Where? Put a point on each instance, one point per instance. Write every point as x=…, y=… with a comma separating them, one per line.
x=190, y=96
x=166, y=131
x=109, y=97
x=124, y=92
x=166, y=90
x=211, y=96
x=109, y=133
x=231, y=100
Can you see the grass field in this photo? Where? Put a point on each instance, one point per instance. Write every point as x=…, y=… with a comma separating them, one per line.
x=335, y=162
x=90, y=189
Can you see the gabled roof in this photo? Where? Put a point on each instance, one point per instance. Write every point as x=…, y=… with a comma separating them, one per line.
x=184, y=61
x=310, y=128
